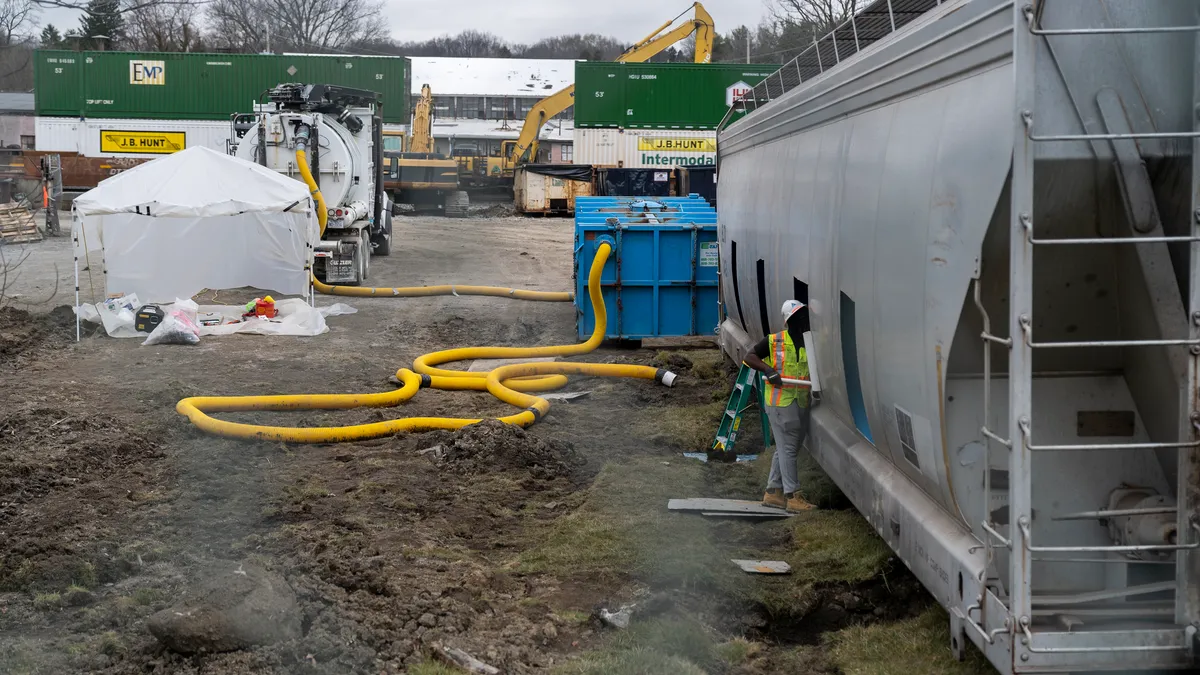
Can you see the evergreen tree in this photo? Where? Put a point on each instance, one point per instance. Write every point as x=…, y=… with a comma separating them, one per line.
x=51, y=38
x=102, y=17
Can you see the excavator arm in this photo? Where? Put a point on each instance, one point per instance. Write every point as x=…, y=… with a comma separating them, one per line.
x=422, y=127
x=526, y=146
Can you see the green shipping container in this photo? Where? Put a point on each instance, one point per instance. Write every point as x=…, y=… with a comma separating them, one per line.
x=192, y=86
x=660, y=95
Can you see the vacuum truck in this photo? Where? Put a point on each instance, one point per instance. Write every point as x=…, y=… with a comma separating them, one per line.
x=331, y=138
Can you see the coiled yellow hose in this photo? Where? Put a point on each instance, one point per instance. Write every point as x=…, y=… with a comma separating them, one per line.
x=507, y=383
x=410, y=291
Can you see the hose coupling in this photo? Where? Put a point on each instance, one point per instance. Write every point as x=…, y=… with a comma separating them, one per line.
x=663, y=376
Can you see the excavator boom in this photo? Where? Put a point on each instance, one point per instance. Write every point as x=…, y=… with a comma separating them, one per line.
x=526, y=146
x=422, y=128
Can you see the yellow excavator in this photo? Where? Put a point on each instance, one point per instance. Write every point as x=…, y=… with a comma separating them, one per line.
x=421, y=176
x=525, y=148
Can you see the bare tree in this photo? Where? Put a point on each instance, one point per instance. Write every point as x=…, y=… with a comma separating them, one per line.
x=165, y=27
x=822, y=15
x=18, y=21
x=311, y=25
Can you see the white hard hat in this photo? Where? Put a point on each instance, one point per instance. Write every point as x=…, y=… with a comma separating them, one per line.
x=790, y=307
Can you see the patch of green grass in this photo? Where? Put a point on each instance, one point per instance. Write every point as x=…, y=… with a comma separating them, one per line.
x=738, y=651
x=629, y=662
x=433, y=668
x=918, y=645
x=835, y=546
x=110, y=644
x=147, y=596
x=84, y=575
x=689, y=427
x=47, y=601
x=623, y=530
x=573, y=616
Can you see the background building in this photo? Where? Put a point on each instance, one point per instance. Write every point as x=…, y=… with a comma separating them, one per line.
x=483, y=102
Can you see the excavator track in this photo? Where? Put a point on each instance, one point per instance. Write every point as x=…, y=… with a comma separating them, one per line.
x=458, y=204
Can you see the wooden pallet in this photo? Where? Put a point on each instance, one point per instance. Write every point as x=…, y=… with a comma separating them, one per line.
x=17, y=225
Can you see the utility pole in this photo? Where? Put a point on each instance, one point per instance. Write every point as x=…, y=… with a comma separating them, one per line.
x=747, y=45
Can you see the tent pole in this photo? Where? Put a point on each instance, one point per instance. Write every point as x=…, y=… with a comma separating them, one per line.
x=76, y=257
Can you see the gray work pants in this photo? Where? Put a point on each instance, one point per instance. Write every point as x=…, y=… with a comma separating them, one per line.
x=789, y=425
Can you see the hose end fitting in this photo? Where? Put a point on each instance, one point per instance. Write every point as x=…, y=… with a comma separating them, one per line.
x=537, y=414
x=665, y=377
x=426, y=381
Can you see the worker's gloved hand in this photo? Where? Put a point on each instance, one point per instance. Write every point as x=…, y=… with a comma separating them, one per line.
x=814, y=400
x=774, y=378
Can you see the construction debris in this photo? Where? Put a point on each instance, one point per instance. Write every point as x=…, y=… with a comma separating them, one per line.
x=17, y=225
x=461, y=659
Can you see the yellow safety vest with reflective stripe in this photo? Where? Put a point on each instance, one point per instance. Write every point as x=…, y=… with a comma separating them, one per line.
x=791, y=363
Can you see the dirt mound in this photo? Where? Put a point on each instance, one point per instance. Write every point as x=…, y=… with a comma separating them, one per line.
x=70, y=448
x=493, y=445
x=22, y=331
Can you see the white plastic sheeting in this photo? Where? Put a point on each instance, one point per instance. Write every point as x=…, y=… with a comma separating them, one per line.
x=197, y=219
x=293, y=317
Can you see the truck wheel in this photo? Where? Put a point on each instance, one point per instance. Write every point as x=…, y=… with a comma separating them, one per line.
x=383, y=241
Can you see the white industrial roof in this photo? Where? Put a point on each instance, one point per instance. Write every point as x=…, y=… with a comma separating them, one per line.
x=554, y=130
x=491, y=77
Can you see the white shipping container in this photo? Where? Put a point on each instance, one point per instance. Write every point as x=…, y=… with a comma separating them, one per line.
x=128, y=137
x=645, y=148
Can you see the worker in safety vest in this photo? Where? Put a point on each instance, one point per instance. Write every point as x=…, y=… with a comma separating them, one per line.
x=777, y=356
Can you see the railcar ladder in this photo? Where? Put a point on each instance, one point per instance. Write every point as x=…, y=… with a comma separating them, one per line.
x=1036, y=648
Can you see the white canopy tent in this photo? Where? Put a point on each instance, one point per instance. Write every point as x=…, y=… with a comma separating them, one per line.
x=197, y=219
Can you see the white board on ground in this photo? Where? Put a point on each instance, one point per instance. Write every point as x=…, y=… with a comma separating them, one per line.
x=723, y=505
x=763, y=566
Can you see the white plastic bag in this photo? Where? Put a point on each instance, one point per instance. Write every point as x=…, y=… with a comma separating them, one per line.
x=176, y=329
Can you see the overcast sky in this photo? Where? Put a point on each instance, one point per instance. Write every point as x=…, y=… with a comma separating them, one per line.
x=530, y=20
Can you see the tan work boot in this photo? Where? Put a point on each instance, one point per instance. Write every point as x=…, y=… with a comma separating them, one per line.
x=796, y=503
x=774, y=497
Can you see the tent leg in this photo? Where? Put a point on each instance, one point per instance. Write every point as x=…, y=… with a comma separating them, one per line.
x=76, y=298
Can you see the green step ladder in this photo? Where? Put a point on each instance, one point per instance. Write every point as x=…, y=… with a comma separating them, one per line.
x=747, y=391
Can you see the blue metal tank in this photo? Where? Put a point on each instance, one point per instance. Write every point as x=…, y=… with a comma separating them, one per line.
x=661, y=278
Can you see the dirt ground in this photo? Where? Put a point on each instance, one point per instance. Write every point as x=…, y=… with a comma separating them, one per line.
x=493, y=540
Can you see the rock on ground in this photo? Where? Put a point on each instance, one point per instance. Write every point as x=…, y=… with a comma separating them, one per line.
x=239, y=606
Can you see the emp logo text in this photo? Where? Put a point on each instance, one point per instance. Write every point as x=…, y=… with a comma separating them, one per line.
x=147, y=72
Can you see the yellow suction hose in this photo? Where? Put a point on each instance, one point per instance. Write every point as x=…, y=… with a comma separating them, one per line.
x=507, y=383
x=408, y=291
x=306, y=174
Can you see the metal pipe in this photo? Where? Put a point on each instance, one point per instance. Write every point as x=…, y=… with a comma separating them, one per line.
x=891, y=16
x=1027, y=437
x=1113, y=137
x=1037, y=30
x=1028, y=643
x=1089, y=597
x=1024, y=528
x=1104, y=561
x=988, y=528
x=817, y=47
x=1007, y=342
x=987, y=409
x=1002, y=441
x=1116, y=513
